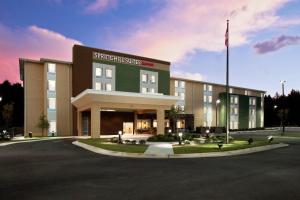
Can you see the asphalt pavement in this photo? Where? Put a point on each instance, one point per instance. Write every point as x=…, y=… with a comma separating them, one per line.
x=56, y=169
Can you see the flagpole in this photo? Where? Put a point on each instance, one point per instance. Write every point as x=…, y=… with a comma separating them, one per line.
x=227, y=87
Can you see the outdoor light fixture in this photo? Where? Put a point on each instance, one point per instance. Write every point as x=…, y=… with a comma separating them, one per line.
x=120, y=139
x=180, y=137
x=218, y=101
x=275, y=106
x=207, y=131
x=169, y=130
x=0, y=99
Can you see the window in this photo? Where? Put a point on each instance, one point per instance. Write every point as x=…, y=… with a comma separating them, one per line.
x=210, y=88
x=235, y=111
x=52, y=126
x=246, y=92
x=108, y=87
x=176, y=94
x=209, y=99
x=205, y=98
x=182, y=95
x=98, y=86
x=204, y=110
x=108, y=73
x=152, y=90
x=154, y=124
x=230, y=90
x=204, y=123
x=231, y=100
x=51, y=67
x=180, y=123
x=51, y=85
x=167, y=123
x=236, y=100
x=253, y=102
x=182, y=84
x=144, y=78
x=153, y=79
x=52, y=103
x=98, y=71
x=204, y=87
x=176, y=84
x=144, y=90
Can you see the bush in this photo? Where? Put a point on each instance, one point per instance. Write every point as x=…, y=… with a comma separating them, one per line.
x=163, y=138
x=142, y=142
x=187, y=142
x=133, y=142
x=127, y=142
x=114, y=140
x=250, y=141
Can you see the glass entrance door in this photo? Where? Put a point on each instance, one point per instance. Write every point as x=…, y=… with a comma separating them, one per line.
x=128, y=127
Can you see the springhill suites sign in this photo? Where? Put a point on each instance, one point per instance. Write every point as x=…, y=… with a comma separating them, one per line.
x=121, y=59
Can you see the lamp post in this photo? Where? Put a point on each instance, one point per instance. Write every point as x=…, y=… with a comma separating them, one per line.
x=0, y=99
x=282, y=86
x=120, y=139
x=217, y=104
x=180, y=137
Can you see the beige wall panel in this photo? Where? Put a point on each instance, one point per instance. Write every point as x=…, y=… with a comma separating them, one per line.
x=172, y=87
x=188, y=109
x=198, y=104
x=34, y=97
x=63, y=100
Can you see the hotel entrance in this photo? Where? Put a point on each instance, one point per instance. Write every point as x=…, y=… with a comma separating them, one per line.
x=128, y=127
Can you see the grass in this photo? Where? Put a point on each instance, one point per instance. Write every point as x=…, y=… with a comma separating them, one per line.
x=206, y=148
x=103, y=144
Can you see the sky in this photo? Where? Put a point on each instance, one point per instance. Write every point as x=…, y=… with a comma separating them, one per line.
x=264, y=36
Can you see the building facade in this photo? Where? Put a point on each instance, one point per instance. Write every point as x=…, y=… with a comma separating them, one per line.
x=104, y=92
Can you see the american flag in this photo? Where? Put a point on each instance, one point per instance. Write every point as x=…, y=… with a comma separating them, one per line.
x=226, y=37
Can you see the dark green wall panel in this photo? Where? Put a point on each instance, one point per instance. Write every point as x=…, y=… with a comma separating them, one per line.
x=128, y=78
x=243, y=111
x=258, y=111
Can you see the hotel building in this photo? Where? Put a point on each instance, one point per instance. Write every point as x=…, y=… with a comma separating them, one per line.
x=102, y=92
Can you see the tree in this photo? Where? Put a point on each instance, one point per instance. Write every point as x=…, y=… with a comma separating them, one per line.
x=283, y=116
x=43, y=123
x=173, y=115
x=7, y=114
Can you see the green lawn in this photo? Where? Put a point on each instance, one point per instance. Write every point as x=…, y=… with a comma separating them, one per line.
x=205, y=148
x=103, y=144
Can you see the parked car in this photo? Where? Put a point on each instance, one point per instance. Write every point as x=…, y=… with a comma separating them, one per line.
x=4, y=135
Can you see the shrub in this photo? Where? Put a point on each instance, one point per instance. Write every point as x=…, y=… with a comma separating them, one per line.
x=114, y=140
x=127, y=142
x=142, y=142
x=250, y=141
x=163, y=138
x=133, y=142
x=187, y=142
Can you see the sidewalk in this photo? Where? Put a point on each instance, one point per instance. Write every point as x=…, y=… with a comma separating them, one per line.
x=160, y=149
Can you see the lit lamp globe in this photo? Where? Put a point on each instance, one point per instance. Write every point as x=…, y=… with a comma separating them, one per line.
x=180, y=134
x=120, y=132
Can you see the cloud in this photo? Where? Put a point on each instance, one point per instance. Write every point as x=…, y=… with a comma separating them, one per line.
x=187, y=75
x=99, y=6
x=276, y=44
x=181, y=28
x=32, y=42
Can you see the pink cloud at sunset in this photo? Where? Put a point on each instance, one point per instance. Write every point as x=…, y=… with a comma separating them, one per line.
x=34, y=43
x=181, y=27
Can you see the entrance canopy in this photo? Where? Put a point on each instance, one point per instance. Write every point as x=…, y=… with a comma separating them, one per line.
x=97, y=101
x=90, y=96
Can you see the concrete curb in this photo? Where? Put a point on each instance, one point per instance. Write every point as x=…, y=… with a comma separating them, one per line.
x=33, y=140
x=192, y=155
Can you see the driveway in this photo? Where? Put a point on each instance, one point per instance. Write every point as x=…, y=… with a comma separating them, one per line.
x=56, y=169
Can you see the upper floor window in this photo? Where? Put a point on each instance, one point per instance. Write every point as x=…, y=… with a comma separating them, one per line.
x=182, y=95
x=144, y=78
x=182, y=84
x=98, y=71
x=51, y=68
x=52, y=103
x=51, y=85
x=152, y=79
x=230, y=90
x=108, y=73
x=209, y=88
x=176, y=83
x=176, y=94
